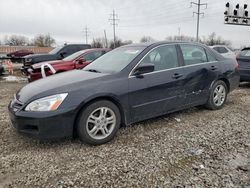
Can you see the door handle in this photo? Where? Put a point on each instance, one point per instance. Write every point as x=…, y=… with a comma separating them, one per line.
x=213, y=68
x=177, y=75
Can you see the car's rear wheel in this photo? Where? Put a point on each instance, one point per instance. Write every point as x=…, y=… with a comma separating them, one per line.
x=99, y=122
x=218, y=95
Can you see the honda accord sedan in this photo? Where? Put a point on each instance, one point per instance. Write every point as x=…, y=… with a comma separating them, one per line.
x=127, y=85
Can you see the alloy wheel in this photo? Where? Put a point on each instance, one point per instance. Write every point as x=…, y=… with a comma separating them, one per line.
x=101, y=122
x=219, y=95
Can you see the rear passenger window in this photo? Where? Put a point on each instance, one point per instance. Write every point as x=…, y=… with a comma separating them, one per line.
x=210, y=57
x=221, y=50
x=193, y=54
x=164, y=57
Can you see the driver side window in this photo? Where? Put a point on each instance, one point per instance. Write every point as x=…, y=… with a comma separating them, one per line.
x=163, y=58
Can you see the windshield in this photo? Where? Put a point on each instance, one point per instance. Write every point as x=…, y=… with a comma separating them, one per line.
x=74, y=56
x=114, y=61
x=56, y=50
x=245, y=52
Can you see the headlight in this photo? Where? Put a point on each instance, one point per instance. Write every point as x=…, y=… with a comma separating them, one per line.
x=49, y=103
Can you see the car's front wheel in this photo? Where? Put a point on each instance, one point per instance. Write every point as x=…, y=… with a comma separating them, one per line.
x=99, y=122
x=218, y=95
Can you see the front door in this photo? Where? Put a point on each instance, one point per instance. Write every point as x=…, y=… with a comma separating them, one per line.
x=160, y=91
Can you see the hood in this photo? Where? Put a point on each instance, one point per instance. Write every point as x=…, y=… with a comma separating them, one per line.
x=38, y=65
x=36, y=58
x=55, y=84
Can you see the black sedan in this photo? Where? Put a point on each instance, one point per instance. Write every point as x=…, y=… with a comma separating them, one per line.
x=243, y=59
x=127, y=85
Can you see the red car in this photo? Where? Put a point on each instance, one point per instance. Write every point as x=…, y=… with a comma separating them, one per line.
x=20, y=53
x=77, y=60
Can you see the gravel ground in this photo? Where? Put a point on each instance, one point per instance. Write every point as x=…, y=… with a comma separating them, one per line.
x=191, y=148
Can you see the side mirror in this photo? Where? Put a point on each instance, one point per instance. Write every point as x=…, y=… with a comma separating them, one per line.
x=62, y=54
x=144, y=68
x=81, y=60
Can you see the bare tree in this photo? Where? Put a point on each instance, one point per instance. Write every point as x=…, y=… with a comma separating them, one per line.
x=126, y=42
x=16, y=40
x=44, y=40
x=147, y=39
x=98, y=43
x=118, y=43
x=180, y=38
x=212, y=40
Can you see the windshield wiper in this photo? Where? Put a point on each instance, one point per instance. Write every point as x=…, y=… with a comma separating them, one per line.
x=93, y=70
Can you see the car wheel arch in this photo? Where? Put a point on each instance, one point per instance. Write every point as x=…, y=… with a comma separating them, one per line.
x=91, y=101
x=226, y=82
x=222, y=79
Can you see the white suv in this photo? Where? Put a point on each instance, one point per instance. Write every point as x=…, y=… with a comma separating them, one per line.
x=224, y=51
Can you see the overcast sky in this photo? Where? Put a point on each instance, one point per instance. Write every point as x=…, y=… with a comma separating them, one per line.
x=66, y=19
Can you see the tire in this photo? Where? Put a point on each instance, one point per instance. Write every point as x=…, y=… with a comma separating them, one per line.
x=220, y=90
x=98, y=123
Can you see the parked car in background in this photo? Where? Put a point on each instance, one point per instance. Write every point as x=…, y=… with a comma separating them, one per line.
x=127, y=85
x=224, y=51
x=243, y=59
x=77, y=60
x=20, y=53
x=56, y=54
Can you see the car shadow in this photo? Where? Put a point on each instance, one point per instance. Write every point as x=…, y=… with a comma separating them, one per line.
x=245, y=85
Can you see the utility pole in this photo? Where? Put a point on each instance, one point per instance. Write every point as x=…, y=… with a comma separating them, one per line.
x=199, y=4
x=86, y=33
x=114, y=19
x=179, y=33
x=106, y=40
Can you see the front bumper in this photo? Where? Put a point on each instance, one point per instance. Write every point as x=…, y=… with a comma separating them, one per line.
x=43, y=125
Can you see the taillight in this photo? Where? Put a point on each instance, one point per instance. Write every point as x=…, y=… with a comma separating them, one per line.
x=237, y=66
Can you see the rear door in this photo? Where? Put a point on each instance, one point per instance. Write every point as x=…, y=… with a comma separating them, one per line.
x=201, y=69
x=160, y=91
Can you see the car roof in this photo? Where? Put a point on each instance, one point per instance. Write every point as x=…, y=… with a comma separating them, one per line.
x=247, y=48
x=147, y=44
x=94, y=49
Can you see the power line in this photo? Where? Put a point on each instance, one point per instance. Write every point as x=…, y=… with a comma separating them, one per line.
x=114, y=19
x=199, y=4
x=86, y=33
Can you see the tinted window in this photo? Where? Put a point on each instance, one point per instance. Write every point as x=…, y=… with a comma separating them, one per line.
x=72, y=49
x=193, y=54
x=55, y=50
x=66, y=50
x=164, y=57
x=92, y=56
x=74, y=56
x=221, y=50
x=210, y=57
